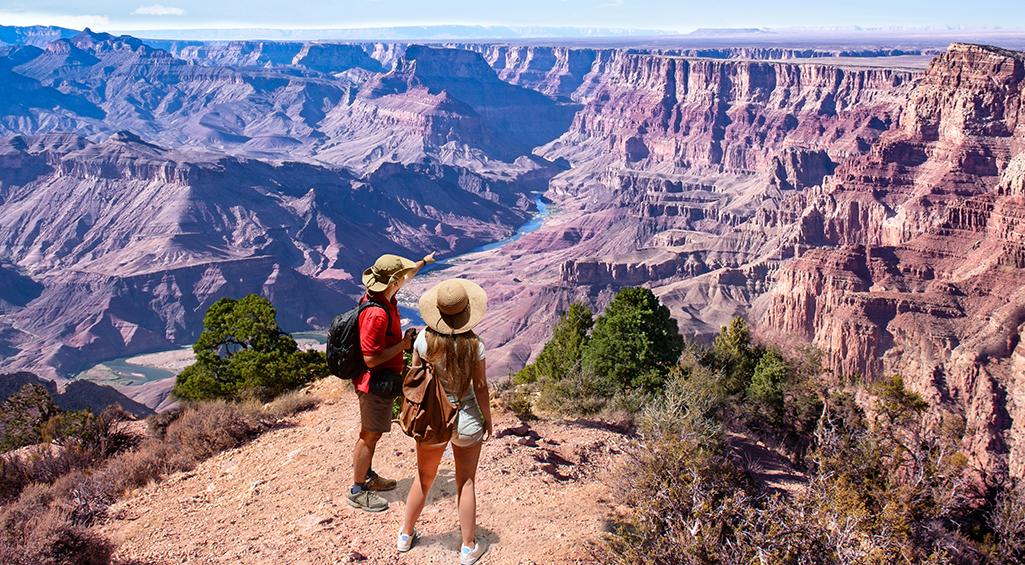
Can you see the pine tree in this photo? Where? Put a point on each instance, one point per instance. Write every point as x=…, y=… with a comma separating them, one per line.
x=634, y=344
x=768, y=384
x=563, y=351
x=735, y=355
x=243, y=353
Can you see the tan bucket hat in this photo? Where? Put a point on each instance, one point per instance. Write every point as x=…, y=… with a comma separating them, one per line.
x=386, y=270
x=453, y=306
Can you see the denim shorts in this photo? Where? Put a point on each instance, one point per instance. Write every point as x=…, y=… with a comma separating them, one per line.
x=469, y=428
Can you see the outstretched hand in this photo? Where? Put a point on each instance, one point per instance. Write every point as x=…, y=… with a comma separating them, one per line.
x=429, y=258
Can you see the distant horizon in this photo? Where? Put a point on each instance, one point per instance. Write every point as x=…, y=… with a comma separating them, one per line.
x=617, y=17
x=456, y=32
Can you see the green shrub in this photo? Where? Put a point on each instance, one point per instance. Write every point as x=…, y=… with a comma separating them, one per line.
x=682, y=495
x=80, y=440
x=518, y=398
x=103, y=435
x=242, y=353
x=21, y=416
x=634, y=344
x=692, y=402
x=881, y=488
x=578, y=393
x=563, y=351
x=768, y=384
x=735, y=356
x=1007, y=521
x=631, y=349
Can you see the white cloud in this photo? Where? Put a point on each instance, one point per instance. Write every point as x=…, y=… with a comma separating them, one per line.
x=158, y=10
x=71, y=21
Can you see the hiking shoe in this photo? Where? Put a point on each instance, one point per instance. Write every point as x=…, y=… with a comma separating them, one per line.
x=367, y=500
x=377, y=482
x=469, y=556
x=404, y=542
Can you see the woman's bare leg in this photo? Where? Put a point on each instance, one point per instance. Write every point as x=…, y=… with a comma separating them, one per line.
x=466, y=473
x=427, y=459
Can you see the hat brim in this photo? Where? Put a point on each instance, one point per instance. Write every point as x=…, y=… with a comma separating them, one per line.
x=459, y=323
x=374, y=284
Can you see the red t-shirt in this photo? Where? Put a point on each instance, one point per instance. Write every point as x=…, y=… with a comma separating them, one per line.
x=375, y=336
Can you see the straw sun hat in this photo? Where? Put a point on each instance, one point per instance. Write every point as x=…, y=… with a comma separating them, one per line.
x=453, y=306
x=386, y=270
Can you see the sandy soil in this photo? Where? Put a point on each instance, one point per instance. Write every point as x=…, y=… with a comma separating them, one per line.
x=542, y=496
x=173, y=360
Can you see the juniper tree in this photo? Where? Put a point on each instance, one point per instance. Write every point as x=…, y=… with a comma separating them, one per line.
x=243, y=353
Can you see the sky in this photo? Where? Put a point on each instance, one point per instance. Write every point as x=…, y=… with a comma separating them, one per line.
x=672, y=15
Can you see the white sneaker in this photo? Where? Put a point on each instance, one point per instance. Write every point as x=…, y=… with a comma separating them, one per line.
x=469, y=556
x=404, y=542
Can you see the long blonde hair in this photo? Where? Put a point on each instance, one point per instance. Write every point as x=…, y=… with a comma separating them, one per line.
x=453, y=358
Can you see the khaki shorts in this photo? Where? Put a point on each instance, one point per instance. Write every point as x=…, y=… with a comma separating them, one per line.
x=374, y=413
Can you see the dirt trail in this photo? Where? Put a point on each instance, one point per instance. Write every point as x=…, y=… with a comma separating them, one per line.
x=541, y=491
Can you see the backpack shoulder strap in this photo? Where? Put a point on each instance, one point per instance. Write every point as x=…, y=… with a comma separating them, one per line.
x=371, y=302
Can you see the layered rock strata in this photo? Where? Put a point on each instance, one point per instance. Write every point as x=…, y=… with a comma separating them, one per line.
x=913, y=260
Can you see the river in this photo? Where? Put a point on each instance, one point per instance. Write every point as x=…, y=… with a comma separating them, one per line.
x=134, y=370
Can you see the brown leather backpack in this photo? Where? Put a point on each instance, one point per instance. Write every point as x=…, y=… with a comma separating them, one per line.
x=427, y=415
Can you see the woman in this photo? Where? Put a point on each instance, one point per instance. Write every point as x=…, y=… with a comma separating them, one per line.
x=451, y=310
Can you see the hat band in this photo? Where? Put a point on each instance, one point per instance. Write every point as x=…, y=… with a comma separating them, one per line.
x=456, y=308
x=380, y=277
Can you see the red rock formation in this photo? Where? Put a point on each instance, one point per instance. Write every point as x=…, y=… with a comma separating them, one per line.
x=908, y=259
x=682, y=114
x=916, y=266
x=683, y=179
x=120, y=246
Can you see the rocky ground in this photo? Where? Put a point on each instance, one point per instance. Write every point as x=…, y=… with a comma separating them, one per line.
x=542, y=497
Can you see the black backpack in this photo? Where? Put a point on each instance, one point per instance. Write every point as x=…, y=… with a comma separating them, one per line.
x=344, y=355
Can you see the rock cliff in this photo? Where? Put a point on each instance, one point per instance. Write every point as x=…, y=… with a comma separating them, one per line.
x=914, y=252
x=122, y=245
x=876, y=213
x=687, y=175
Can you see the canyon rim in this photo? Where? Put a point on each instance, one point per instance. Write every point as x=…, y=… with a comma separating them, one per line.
x=858, y=191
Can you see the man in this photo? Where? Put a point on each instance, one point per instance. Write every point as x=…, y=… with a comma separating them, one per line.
x=383, y=344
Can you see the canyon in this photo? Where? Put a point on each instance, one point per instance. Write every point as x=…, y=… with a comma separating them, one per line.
x=869, y=201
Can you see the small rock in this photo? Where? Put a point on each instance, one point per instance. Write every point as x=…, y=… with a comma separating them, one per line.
x=553, y=470
x=527, y=442
x=521, y=430
x=356, y=556
x=312, y=521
